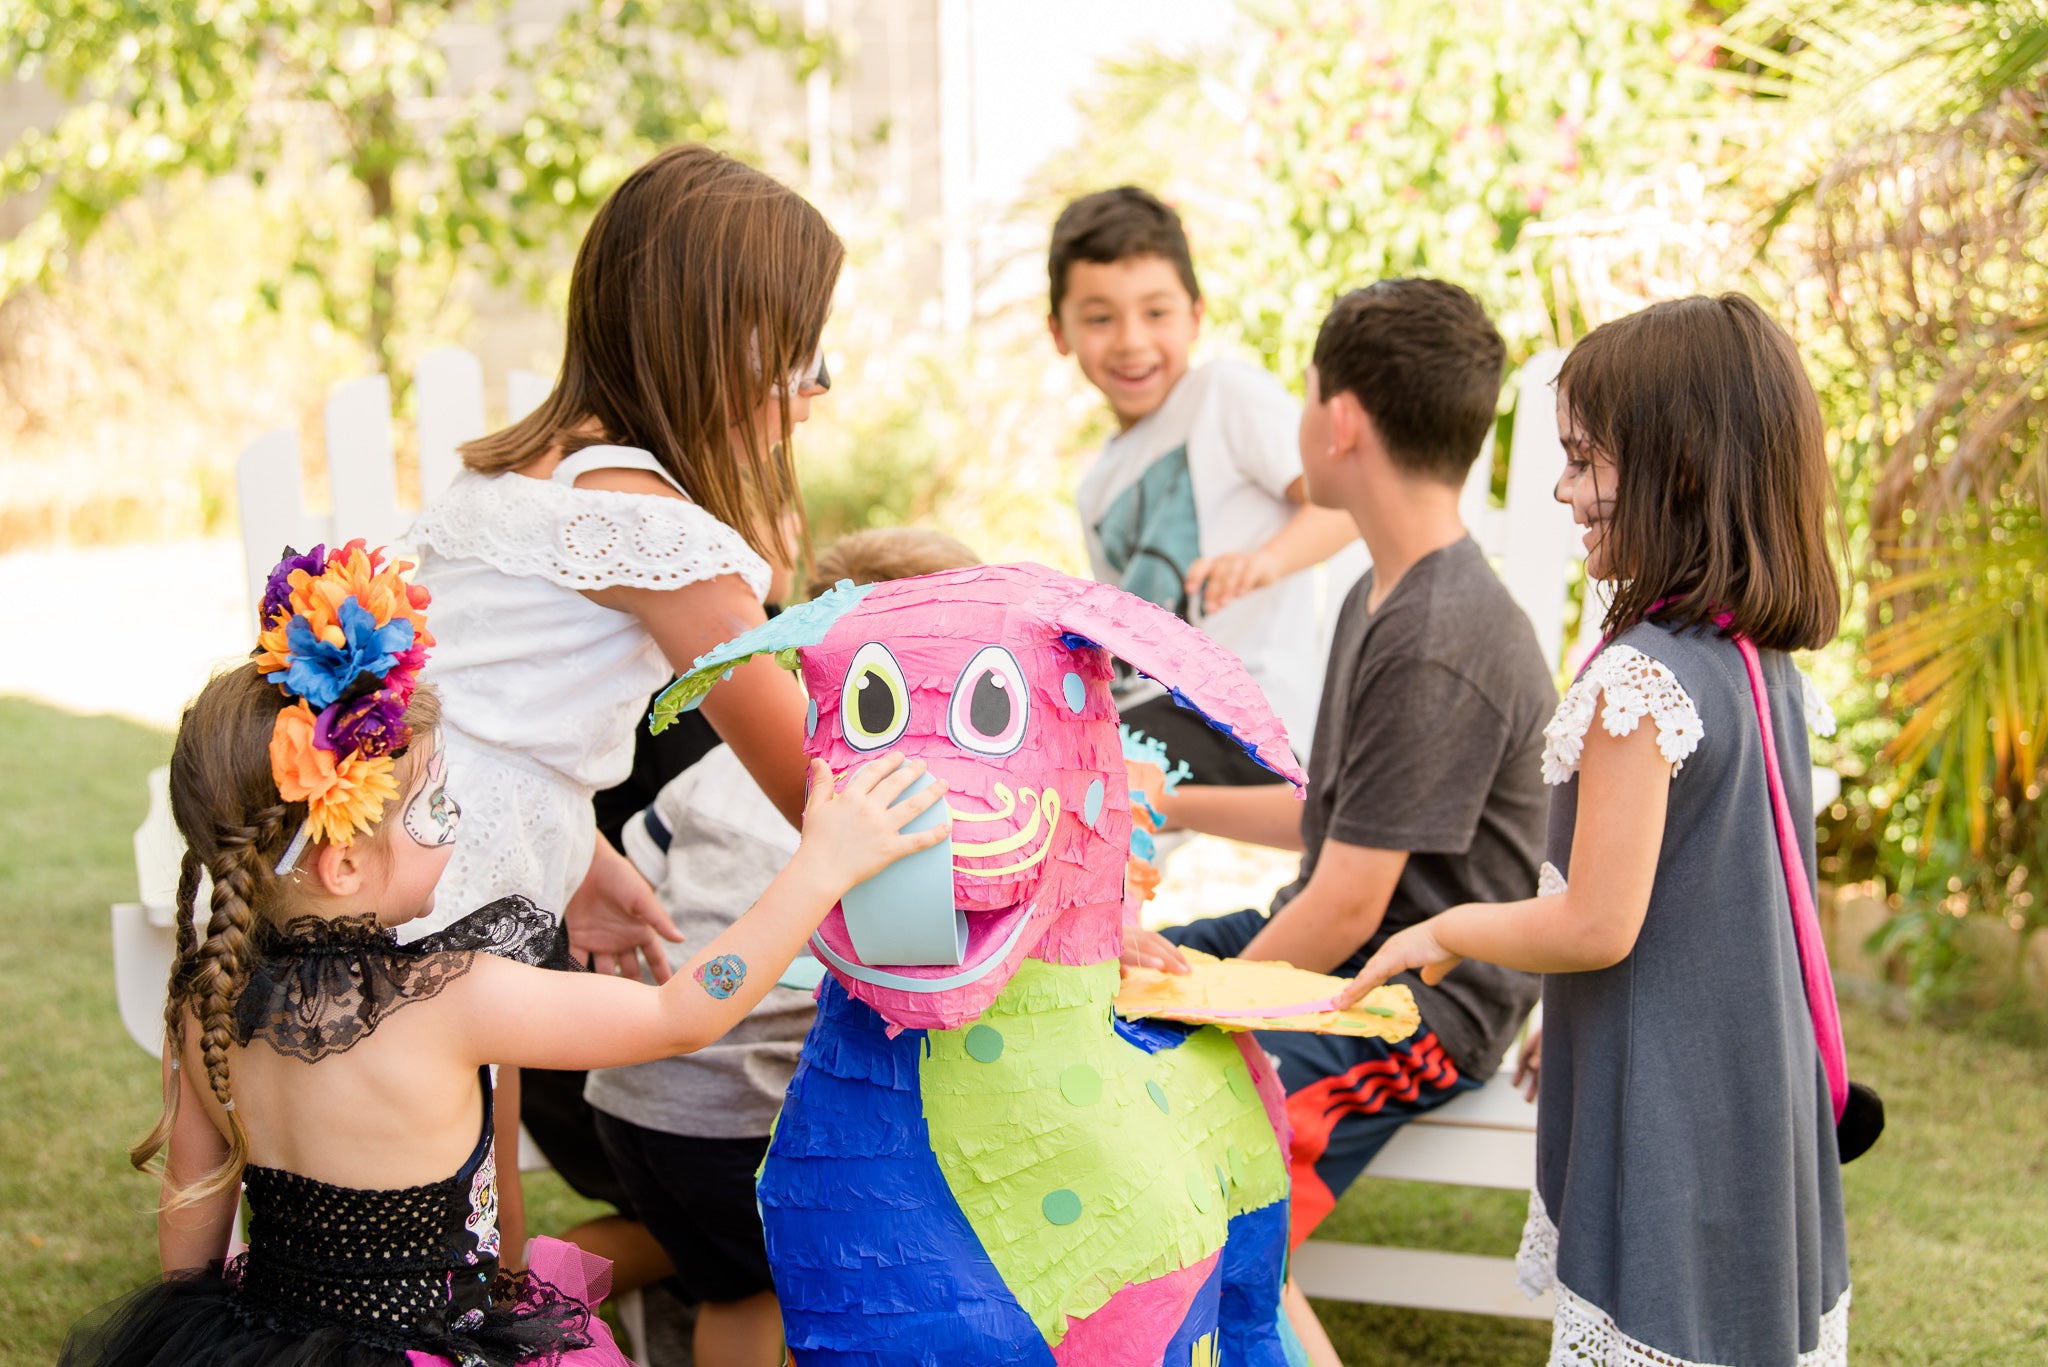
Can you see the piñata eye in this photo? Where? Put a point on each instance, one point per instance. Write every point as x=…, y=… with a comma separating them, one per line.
x=990, y=705
x=875, y=705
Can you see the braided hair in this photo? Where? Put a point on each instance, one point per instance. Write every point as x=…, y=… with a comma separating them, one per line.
x=236, y=827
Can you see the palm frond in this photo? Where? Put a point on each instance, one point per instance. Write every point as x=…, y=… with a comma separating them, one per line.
x=1966, y=654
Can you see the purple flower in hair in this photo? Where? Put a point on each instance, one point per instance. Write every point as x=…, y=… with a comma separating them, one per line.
x=373, y=724
x=277, y=590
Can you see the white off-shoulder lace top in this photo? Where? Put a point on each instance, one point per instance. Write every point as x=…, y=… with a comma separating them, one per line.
x=542, y=690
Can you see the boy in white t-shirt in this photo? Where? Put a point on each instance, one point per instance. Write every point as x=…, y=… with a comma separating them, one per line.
x=1197, y=504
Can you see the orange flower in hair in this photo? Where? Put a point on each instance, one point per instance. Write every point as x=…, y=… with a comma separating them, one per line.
x=343, y=793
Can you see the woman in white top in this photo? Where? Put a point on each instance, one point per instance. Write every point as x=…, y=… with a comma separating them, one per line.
x=623, y=529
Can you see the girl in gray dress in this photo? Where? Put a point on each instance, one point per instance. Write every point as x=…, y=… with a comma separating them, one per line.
x=1688, y=1203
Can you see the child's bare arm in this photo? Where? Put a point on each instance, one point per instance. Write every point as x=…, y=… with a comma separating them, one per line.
x=1624, y=789
x=1263, y=814
x=506, y=1012
x=759, y=712
x=1340, y=909
x=1311, y=536
x=188, y=1237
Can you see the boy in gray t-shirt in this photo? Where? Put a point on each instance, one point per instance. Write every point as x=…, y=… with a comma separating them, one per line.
x=1424, y=780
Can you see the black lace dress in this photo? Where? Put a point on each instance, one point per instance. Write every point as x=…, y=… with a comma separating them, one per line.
x=345, y=1277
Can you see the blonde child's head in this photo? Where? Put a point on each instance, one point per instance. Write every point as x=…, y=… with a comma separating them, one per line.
x=283, y=807
x=696, y=316
x=883, y=553
x=1695, y=458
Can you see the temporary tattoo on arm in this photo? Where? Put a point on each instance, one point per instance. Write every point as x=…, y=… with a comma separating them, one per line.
x=722, y=976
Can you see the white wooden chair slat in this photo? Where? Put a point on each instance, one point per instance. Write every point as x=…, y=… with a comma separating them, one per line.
x=525, y=390
x=1539, y=539
x=1461, y=1155
x=271, y=490
x=448, y=392
x=1422, y=1278
x=362, y=472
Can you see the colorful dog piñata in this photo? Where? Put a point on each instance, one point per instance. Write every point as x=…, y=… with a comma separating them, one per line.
x=977, y=1162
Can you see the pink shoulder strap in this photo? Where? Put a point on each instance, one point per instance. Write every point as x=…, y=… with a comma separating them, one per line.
x=1813, y=954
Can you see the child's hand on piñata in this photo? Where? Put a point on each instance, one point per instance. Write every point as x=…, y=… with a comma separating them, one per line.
x=1415, y=948
x=1149, y=949
x=851, y=832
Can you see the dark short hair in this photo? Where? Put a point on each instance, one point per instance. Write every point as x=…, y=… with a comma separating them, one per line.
x=1722, y=493
x=1116, y=225
x=1425, y=363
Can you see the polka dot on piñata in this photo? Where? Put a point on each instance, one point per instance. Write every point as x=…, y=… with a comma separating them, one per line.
x=984, y=1044
x=1158, y=1095
x=1061, y=1207
x=1081, y=1085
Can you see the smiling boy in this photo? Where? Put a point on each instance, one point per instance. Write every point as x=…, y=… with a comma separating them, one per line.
x=1197, y=503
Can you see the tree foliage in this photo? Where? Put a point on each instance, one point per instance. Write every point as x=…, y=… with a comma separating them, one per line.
x=444, y=171
x=1338, y=144
x=1923, y=194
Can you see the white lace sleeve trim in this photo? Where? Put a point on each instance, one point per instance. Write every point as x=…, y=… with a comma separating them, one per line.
x=1635, y=686
x=1584, y=1335
x=1549, y=882
x=1820, y=718
x=584, y=538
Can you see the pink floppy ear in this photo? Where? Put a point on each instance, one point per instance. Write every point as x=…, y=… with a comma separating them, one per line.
x=1198, y=672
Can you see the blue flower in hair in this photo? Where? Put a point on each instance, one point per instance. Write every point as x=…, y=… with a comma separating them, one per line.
x=320, y=672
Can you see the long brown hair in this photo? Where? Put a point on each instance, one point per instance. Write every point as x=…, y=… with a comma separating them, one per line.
x=1723, y=503
x=236, y=827
x=699, y=291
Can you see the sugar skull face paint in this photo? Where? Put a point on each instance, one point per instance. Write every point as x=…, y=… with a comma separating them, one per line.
x=432, y=815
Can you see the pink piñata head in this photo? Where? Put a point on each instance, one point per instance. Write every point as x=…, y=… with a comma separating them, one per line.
x=997, y=677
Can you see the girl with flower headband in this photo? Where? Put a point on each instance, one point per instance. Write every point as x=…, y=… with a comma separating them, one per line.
x=600, y=544
x=343, y=1076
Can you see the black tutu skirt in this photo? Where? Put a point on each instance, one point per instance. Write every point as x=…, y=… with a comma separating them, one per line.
x=200, y=1319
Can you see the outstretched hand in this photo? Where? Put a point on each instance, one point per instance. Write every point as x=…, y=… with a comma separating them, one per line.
x=851, y=830
x=615, y=921
x=1415, y=948
x=1529, y=1066
x=1217, y=581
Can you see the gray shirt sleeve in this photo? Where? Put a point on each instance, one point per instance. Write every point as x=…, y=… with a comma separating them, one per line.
x=1417, y=762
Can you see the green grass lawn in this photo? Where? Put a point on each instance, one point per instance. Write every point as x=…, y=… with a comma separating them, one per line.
x=1948, y=1216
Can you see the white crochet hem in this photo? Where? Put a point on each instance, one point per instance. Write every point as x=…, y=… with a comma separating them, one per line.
x=1584, y=1335
x=1549, y=883
x=1635, y=686
x=584, y=539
